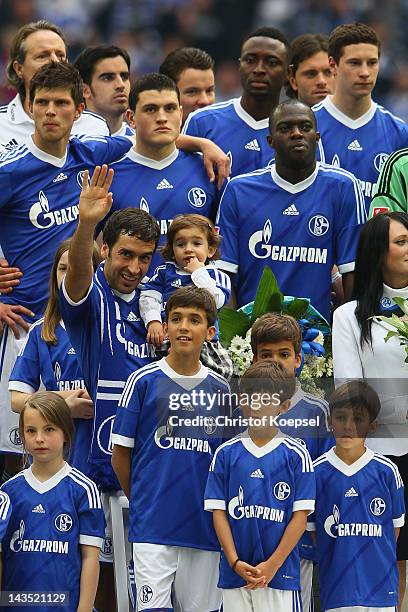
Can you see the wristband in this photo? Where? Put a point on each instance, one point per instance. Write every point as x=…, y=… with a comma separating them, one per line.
x=235, y=563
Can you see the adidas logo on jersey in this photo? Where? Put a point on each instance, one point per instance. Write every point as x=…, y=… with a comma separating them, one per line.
x=11, y=144
x=257, y=474
x=351, y=493
x=132, y=317
x=71, y=351
x=164, y=184
x=38, y=509
x=176, y=283
x=60, y=177
x=291, y=210
x=355, y=146
x=253, y=145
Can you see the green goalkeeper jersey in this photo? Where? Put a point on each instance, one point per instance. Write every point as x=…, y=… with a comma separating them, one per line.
x=392, y=186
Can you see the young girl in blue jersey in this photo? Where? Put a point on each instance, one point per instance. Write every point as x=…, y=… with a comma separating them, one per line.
x=359, y=510
x=57, y=523
x=192, y=246
x=48, y=358
x=260, y=489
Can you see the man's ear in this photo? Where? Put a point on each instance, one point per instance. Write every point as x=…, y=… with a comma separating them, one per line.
x=130, y=118
x=165, y=328
x=79, y=110
x=333, y=65
x=18, y=69
x=373, y=426
x=87, y=92
x=104, y=250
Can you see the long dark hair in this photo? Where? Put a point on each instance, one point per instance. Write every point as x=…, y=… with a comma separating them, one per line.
x=368, y=278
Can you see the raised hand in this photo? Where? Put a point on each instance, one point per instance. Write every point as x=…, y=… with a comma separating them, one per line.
x=96, y=200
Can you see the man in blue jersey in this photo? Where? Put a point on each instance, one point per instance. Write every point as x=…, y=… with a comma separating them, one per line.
x=101, y=314
x=298, y=217
x=193, y=72
x=356, y=133
x=165, y=434
x=155, y=176
x=240, y=126
x=39, y=188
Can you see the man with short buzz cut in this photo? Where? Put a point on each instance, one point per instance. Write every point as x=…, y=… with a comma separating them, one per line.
x=105, y=71
x=297, y=217
x=39, y=189
x=34, y=45
x=240, y=126
x=155, y=176
x=356, y=133
x=193, y=72
x=310, y=75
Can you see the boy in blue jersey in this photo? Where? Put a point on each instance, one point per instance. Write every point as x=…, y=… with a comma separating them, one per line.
x=359, y=510
x=356, y=133
x=39, y=189
x=101, y=315
x=278, y=336
x=156, y=176
x=165, y=434
x=297, y=217
x=240, y=126
x=260, y=489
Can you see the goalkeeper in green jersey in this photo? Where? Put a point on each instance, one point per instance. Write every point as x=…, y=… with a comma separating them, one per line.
x=392, y=186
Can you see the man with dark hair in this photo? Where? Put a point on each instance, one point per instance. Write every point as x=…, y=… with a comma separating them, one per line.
x=310, y=76
x=240, y=126
x=105, y=70
x=155, y=176
x=39, y=186
x=297, y=217
x=356, y=133
x=101, y=314
x=34, y=45
x=193, y=72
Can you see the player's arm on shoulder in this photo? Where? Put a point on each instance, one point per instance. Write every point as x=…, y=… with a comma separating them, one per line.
x=216, y=162
x=89, y=577
x=94, y=204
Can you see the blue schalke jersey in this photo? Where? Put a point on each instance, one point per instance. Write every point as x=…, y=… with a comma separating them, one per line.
x=85, y=328
x=171, y=456
x=49, y=522
x=5, y=513
x=361, y=145
x=237, y=133
x=307, y=422
x=57, y=368
x=173, y=186
x=39, y=196
x=298, y=230
x=357, y=508
x=259, y=488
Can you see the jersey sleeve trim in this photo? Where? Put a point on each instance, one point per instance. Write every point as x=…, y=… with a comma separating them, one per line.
x=227, y=266
x=304, y=504
x=90, y=540
x=71, y=302
x=123, y=441
x=400, y=521
x=348, y=267
x=17, y=385
x=214, y=504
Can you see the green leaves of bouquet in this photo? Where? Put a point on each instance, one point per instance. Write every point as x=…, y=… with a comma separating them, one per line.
x=268, y=298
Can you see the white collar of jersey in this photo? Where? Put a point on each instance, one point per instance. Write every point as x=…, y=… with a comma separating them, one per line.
x=260, y=451
x=59, y=162
x=390, y=292
x=344, y=468
x=47, y=485
x=152, y=163
x=187, y=382
x=353, y=124
x=16, y=112
x=123, y=129
x=246, y=117
x=294, y=187
x=126, y=297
